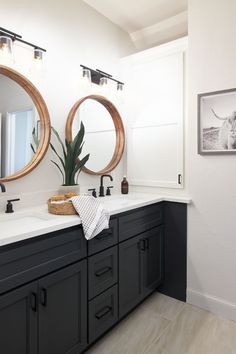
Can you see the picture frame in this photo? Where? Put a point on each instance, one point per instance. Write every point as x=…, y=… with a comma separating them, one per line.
x=217, y=122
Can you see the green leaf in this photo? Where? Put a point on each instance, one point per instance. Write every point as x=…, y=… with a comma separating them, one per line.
x=59, y=157
x=79, y=165
x=69, y=163
x=59, y=170
x=78, y=141
x=60, y=141
x=31, y=145
x=35, y=140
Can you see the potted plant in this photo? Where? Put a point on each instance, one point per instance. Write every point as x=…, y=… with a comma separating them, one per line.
x=69, y=164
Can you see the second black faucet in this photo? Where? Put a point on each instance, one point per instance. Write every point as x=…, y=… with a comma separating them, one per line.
x=101, y=188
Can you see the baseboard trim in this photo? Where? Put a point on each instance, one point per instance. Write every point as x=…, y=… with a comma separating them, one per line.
x=213, y=304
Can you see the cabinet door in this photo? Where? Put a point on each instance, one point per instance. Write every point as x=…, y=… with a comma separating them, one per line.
x=130, y=282
x=152, y=259
x=63, y=310
x=18, y=321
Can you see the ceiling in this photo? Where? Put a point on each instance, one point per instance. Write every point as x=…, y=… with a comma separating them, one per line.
x=135, y=15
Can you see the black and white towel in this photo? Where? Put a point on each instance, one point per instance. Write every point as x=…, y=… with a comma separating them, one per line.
x=93, y=216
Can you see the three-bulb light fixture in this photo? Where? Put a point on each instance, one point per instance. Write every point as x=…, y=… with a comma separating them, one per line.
x=102, y=79
x=7, y=38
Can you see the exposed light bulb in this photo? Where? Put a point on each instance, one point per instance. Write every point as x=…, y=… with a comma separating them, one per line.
x=37, y=66
x=104, y=86
x=120, y=92
x=6, y=54
x=85, y=82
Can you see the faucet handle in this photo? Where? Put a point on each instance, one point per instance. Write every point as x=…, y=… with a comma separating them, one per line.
x=94, y=194
x=108, y=192
x=9, y=207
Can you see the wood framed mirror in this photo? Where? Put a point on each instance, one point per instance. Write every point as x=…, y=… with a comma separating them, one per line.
x=25, y=127
x=104, y=132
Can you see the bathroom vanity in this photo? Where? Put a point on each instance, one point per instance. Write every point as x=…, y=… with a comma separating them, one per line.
x=60, y=293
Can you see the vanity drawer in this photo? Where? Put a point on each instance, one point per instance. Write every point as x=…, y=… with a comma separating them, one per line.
x=102, y=271
x=140, y=220
x=105, y=239
x=27, y=260
x=103, y=313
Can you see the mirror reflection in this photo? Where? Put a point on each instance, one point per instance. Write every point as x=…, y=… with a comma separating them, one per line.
x=19, y=127
x=100, y=133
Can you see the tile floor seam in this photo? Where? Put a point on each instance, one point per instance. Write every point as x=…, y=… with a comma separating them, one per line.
x=170, y=324
x=176, y=315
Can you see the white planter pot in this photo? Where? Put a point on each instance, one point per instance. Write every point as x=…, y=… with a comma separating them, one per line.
x=69, y=189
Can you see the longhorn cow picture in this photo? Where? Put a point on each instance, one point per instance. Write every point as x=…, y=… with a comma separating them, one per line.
x=217, y=122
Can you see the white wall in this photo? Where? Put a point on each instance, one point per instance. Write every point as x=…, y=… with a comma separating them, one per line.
x=211, y=218
x=73, y=34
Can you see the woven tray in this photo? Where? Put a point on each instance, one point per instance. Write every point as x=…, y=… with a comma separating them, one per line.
x=65, y=208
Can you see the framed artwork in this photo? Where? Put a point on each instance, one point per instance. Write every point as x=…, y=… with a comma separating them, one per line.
x=217, y=122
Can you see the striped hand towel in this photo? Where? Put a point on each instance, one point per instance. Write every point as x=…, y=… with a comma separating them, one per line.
x=93, y=216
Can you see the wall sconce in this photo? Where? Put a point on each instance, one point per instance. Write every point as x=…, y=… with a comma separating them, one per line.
x=103, y=79
x=6, y=48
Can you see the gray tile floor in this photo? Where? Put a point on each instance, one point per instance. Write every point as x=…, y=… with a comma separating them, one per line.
x=162, y=325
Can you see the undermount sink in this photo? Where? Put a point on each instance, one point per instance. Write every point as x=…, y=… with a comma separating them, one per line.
x=120, y=199
x=24, y=216
x=14, y=223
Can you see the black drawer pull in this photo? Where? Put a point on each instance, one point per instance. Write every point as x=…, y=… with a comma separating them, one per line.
x=102, y=271
x=33, y=302
x=105, y=234
x=103, y=312
x=43, y=297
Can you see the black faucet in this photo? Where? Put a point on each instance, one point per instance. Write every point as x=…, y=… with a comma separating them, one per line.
x=101, y=188
x=3, y=188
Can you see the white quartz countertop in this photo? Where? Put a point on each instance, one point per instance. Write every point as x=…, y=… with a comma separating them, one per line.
x=36, y=221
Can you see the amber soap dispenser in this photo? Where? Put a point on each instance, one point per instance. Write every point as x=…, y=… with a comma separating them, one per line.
x=124, y=186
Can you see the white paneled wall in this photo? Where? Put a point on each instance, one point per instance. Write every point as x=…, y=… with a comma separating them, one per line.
x=155, y=113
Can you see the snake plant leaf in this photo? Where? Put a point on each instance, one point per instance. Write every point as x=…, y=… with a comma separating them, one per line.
x=59, y=157
x=71, y=151
x=33, y=149
x=35, y=141
x=80, y=164
x=60, y=141
x=79, y=151
x=35, y=138
x=69, y=163
x=76, y=143
x=59, y=170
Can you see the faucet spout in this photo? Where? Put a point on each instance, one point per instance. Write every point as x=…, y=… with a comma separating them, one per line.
x=3, y=188
x=101, y=189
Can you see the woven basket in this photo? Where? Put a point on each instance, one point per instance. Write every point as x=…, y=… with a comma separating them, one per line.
x=65, y=208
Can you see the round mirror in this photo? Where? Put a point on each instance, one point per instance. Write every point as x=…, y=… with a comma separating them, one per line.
x=24, y=125
x=104, y=132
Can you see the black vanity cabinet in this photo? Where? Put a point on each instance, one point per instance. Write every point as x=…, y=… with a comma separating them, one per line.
x=60, y=293
x=63, y=310
x=48, y=316
x=18, y=320
x=140, y=268
x=153, y=259
x=130, y=275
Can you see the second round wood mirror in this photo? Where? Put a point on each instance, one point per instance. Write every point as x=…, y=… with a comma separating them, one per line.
x=104, y=132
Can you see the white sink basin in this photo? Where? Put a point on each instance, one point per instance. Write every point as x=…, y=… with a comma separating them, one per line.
x=120, y=200
x=15, y=223
x=24, y=216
